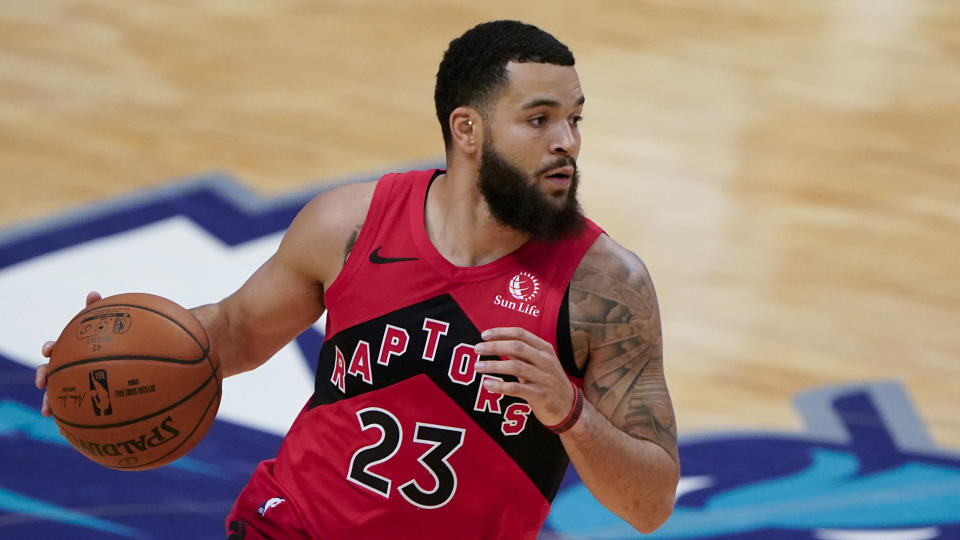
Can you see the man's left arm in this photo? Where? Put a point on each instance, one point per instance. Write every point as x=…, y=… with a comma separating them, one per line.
x=624, y=446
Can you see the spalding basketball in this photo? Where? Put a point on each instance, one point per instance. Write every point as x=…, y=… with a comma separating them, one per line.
x=132, y=381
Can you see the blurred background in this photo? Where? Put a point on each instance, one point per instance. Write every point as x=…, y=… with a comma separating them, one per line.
x=788, y=171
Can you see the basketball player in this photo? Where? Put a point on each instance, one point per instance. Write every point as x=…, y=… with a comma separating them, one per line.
x=481, y=332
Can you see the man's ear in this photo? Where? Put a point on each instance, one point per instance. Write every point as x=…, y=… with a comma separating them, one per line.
x=466, y=129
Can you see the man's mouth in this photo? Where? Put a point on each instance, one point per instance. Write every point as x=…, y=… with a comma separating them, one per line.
x=561, y=175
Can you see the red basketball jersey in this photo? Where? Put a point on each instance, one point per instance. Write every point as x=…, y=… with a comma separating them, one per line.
x=400, y=439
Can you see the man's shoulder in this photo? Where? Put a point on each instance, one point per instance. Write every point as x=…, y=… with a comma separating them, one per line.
x=318, y=235
x=611, y=295
x=347, y=204
x=341, y=203
x=609, y=262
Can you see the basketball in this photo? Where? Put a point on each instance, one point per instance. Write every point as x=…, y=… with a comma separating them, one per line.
x=132, y=381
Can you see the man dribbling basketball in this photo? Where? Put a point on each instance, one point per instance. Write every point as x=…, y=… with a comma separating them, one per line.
x=481, y=332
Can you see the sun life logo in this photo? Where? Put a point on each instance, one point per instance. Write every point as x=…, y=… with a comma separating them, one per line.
x=524, y=287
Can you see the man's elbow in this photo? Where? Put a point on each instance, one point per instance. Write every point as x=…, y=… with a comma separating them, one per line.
x=649, y=515
x=653, y=515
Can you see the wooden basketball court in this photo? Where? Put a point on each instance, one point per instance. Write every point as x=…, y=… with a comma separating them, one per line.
x=789, y=171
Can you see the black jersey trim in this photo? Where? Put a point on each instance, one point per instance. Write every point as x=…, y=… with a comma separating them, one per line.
x=565, y=340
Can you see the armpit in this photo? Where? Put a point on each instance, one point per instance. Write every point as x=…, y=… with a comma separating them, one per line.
x=352, y=241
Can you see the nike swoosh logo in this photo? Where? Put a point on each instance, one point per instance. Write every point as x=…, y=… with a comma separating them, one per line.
x=375, y=258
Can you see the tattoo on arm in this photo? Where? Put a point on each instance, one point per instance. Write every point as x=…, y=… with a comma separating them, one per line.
x=350, y=243
x=615, y=326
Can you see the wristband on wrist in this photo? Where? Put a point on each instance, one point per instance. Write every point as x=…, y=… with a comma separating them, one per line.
x=574, y=415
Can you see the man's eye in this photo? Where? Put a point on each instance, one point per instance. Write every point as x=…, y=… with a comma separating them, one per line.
x=575, y=120
x=537, y=120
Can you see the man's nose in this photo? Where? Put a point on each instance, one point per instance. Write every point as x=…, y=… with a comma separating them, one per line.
x=566, y=141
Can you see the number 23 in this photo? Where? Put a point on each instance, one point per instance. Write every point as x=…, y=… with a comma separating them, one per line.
x=445, y=441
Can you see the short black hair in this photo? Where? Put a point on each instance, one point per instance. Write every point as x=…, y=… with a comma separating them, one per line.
x=474, y=68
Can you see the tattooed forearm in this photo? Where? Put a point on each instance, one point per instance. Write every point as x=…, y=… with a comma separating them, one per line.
x=615, y=326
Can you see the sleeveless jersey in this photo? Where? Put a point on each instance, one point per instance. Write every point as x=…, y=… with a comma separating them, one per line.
x=400, y=439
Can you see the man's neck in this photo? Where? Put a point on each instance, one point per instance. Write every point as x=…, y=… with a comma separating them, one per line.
x=459, y=223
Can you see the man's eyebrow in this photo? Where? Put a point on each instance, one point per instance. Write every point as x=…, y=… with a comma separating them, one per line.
x=540, y=102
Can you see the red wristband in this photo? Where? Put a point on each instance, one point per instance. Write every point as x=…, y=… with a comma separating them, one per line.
x=574, y=415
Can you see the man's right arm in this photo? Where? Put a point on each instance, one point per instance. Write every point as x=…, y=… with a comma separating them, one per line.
x=251, y=325
x=285, y=295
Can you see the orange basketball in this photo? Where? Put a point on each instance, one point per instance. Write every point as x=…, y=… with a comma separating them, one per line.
x=132, y=381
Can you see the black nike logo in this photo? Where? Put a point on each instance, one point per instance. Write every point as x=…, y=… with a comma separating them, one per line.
x=375, y=258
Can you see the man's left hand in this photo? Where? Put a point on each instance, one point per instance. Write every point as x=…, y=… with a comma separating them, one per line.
x=541, y=381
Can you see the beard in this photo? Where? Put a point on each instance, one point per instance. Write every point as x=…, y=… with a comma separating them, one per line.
x=516, y=201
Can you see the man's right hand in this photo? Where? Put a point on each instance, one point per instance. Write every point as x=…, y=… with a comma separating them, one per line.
x=46, y=350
